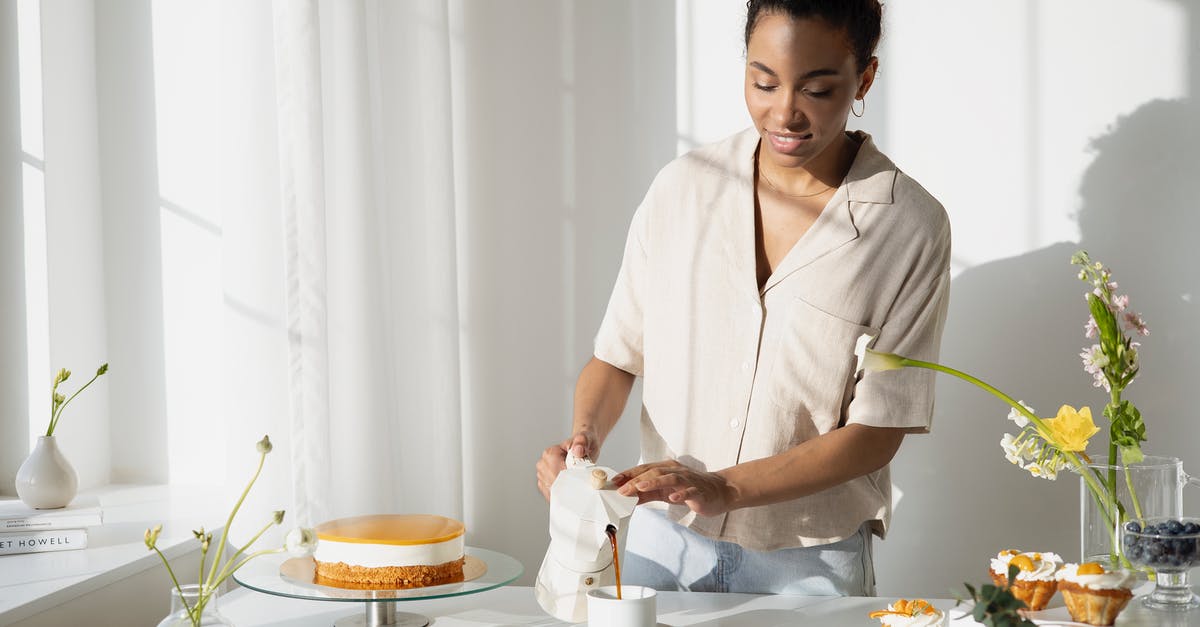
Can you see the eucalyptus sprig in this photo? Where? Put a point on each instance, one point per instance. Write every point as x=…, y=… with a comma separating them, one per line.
x=58, y=402
x=299, y=542
x=996, y=606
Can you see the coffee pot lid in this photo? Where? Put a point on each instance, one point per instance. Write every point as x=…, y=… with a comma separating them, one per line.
x=580, y=490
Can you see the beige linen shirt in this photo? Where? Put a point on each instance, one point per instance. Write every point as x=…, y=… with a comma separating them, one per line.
x=733, y=374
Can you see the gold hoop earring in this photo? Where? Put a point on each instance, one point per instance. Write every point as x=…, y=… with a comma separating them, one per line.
x=858, y=114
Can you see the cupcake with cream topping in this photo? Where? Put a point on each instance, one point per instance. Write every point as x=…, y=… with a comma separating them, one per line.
x=1035, y=583
x=1094, y=594
x=915, y=613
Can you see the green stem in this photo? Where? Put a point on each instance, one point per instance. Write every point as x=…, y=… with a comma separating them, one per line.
x=225, y=532
x=175, y=581
x=203, y=554
x=247, y=545
x=1071, y=457
x=228, y=570
x=54, y=415
x=1114, y=402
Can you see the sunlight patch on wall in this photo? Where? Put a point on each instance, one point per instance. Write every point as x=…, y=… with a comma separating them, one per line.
x=37, y=314
x=187, y=51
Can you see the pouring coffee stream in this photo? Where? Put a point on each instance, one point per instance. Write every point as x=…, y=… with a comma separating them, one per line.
x=611, y=530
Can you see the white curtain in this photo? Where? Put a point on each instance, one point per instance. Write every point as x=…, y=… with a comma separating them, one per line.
x=381, y=232
x=369, y=239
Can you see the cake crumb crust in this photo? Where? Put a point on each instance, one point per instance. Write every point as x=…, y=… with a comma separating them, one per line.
x=343, y=575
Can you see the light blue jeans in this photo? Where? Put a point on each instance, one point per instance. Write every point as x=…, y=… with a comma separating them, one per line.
x=666, y=556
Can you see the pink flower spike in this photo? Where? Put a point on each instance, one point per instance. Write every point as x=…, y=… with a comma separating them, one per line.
x=1089, y=329
x=1134, y=320
x=1121, y=302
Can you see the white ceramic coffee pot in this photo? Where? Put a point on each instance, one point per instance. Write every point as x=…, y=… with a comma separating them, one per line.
x=583, y=503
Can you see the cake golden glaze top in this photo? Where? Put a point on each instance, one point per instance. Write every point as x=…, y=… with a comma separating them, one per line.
x=399, y=529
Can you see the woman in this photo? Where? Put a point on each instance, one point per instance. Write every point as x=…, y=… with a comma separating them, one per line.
x=752, y=268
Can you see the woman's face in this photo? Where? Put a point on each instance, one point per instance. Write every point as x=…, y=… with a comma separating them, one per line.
x=801, y=78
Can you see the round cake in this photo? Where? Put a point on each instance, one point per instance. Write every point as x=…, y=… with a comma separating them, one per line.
x=390, y=551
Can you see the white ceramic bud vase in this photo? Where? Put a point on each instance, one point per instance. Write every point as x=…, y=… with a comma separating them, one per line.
x=46, y=479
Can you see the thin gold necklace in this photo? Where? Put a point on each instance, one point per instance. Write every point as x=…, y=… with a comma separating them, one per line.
x=763, y=175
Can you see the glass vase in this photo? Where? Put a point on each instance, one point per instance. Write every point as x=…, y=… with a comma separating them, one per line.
x=1152, y=488
x=210, y=615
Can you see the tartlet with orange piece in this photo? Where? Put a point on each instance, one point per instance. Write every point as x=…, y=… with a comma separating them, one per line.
x=1093, y=593
x=914, y=613
x=1035, y=583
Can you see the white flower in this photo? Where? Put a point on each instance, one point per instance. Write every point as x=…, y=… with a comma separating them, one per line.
x=1012, y=452
x=1018, y=417
x=301, y=542
x=874, y=361
x=1094, y=359
x=1034, y=469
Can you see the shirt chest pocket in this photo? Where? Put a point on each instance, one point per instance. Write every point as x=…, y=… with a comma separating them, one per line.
x=813, y=372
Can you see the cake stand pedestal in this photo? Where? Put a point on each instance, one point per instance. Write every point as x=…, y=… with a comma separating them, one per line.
x=282, y=576
x=383, y=614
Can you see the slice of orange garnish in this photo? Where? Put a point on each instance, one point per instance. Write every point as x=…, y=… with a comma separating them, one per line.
x=1023, y=562
x=904, y=607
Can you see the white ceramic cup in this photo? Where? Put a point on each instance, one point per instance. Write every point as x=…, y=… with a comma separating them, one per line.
x=637, y=607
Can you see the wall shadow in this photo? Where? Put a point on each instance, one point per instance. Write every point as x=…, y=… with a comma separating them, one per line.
x=1018, y=324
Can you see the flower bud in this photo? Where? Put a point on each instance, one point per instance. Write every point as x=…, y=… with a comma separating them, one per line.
x=152, y=536
x=264, y=445
x=102, y=369
x=63, y=375
x=279, y=517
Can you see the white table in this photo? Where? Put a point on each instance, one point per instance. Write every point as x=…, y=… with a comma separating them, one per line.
x=514, y=605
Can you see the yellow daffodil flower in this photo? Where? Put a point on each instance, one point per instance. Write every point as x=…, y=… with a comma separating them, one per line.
x=1071, y=429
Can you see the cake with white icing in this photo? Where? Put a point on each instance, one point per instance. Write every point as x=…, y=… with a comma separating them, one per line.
x=392, y=551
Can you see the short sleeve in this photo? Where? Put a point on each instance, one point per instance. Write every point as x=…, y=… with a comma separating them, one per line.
x=619, y=340
x=904, y=398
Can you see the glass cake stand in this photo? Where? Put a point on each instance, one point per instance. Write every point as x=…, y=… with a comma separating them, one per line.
x=292, y=577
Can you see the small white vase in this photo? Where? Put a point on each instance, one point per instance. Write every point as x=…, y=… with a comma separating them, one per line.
x=46, y=479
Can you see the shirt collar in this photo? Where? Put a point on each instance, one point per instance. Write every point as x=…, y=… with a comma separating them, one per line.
x=870, y=180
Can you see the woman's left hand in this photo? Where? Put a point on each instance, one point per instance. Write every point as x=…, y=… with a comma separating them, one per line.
x=706, y=493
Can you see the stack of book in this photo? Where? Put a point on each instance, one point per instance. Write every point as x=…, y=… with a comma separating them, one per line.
x=27, y=530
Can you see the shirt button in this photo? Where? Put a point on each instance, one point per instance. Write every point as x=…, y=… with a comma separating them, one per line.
x=734, y=423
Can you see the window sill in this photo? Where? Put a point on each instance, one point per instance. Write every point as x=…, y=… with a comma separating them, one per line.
x=33, y=583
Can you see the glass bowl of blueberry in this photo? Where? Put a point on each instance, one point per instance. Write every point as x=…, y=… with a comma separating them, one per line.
x=1170, y=548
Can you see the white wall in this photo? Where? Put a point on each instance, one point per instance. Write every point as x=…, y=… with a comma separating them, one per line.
x=564, y=112
x=993, y=106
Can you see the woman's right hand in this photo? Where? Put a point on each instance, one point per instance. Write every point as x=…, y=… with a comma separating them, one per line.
x=583, y=445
